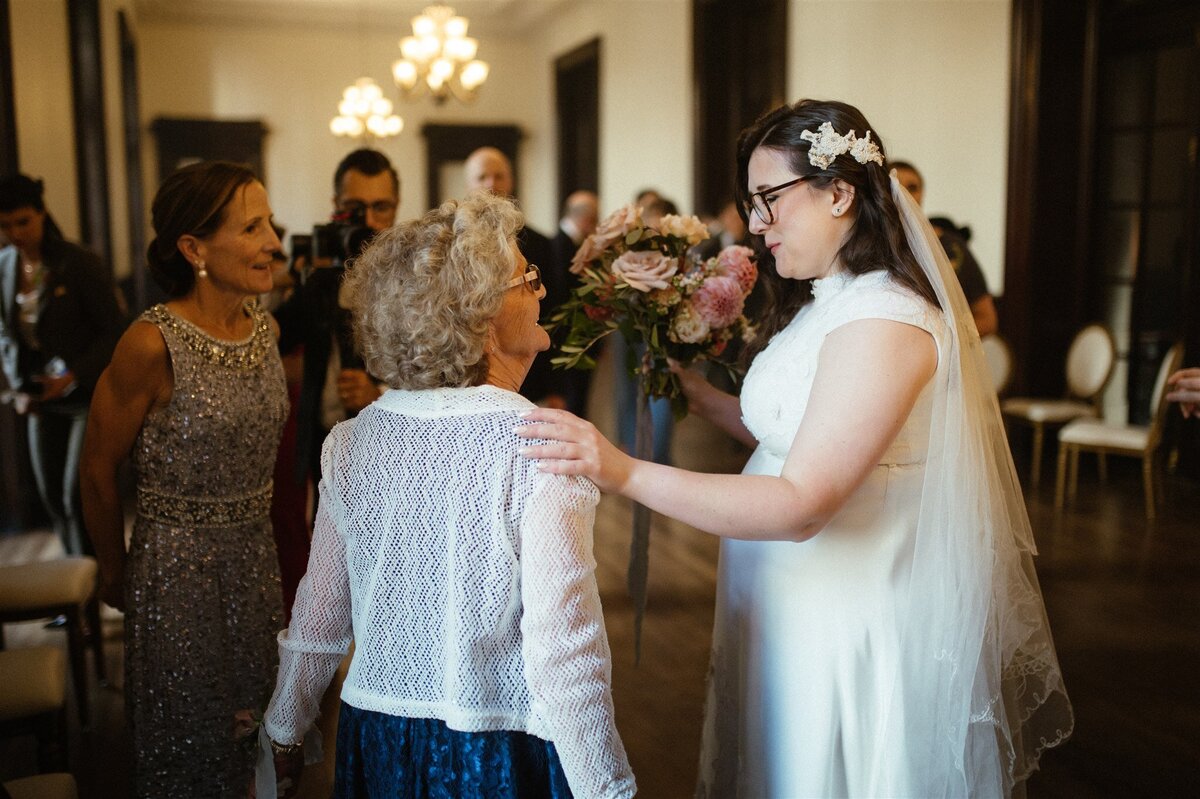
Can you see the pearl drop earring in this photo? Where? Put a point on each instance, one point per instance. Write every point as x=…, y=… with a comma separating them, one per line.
x=203, y=273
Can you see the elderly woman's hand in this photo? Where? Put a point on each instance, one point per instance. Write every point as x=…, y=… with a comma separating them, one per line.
x=575, y=447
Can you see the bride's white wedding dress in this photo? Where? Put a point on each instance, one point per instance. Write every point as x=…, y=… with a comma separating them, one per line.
x=904, y=650
x=806, y=637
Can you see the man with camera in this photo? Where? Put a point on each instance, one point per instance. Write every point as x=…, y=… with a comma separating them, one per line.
x=335, y=385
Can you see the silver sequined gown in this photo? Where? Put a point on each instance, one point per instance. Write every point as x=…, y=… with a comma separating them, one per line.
x=202, y=580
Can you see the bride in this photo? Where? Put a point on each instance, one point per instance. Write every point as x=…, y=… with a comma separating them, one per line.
x=879, y=626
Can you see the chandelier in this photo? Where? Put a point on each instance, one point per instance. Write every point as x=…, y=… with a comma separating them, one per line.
x=439, y=58
x=365, y=113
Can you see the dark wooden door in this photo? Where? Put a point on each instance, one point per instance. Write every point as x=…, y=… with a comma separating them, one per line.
x=577, y=106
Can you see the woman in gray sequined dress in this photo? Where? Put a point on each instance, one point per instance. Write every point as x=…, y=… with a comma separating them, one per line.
x=195, y=396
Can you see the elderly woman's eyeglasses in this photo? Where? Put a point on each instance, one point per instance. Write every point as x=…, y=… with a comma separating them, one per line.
x=763, y=202
x=532, y=278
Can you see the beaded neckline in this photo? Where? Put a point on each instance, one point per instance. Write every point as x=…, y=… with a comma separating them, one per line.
x=246, y=353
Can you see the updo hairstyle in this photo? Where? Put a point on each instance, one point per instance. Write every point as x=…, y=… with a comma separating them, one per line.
x=191, y=201
x=424, y=292
x=876, y=239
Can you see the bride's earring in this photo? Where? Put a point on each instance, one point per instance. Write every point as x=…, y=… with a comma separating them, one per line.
x=201, y=272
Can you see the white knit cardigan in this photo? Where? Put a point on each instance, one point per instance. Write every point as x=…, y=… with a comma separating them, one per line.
x=466, y=578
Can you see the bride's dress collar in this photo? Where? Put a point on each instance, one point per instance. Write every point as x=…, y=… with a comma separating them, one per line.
x=831, y=284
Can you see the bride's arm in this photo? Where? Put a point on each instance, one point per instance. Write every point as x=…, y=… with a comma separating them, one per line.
x=868, y=378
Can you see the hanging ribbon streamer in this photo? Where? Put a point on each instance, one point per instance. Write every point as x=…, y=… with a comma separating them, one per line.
x=639, y=546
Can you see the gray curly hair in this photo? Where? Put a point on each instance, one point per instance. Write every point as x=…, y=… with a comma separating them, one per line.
x=424, y=292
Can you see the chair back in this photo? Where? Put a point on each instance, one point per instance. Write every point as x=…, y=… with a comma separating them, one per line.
x=1158, y=400
x=1090, y=362
x=999, y=361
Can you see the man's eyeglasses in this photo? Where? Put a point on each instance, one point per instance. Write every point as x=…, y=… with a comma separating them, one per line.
x=763, y=204
x=532, y=278
x=379, y=207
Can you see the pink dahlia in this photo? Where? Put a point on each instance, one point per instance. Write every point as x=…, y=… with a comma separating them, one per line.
x=735, y=262
x=719, y=300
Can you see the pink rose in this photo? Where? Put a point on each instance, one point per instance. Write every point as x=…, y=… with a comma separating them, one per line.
x=617, y=224
x=587, y=252
x=719, y=300
x=735, y=262
x=645, y=270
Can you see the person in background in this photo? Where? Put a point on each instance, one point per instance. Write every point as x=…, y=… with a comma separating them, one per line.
x=580, y=214
x=954, y=242
x=464, y=577
x=334, y=385
x=195, y=396
x=488, y=169
x=59, y=323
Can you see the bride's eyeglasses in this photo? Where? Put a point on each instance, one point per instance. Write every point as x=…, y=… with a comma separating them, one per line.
x=532, y=278
x=763, y=202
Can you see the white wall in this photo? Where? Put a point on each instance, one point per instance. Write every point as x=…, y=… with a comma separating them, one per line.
x=933, y=76
x=291, y=78
x=45, y=122
x=42, y=89
x=645, y=94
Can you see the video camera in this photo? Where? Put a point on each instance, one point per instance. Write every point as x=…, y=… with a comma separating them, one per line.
x=334, y=243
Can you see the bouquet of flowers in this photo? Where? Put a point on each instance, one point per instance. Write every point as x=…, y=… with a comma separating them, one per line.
x=639, y=279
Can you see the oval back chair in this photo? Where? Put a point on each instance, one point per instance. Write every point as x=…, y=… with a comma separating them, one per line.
x=1090, y=362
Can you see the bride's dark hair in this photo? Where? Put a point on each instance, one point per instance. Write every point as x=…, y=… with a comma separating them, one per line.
x=876, y=240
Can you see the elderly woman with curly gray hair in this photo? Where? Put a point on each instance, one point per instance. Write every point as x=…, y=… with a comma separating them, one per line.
x=463, y=574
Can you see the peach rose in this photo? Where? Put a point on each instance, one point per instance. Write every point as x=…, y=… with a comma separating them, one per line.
x=645, y=270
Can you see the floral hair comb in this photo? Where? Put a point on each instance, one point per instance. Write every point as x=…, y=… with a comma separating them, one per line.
x=828, y=145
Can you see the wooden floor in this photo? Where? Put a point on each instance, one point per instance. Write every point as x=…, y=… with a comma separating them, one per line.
x=1123, y=598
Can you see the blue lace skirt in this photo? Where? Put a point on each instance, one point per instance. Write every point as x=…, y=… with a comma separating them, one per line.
x=391, y=756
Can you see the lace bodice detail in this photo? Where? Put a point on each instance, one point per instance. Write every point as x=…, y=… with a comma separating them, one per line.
x=776, y=390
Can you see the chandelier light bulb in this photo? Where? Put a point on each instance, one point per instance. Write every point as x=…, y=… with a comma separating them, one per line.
x=456, y=27
x=473, y=75
x=424, y=25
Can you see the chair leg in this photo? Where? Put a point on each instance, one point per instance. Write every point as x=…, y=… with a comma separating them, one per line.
x=1148, y=484
x=76, y=648
x=1060, y=479
x=1102, y=466
x=97, y=638
x=1035, y=470
x=1074, y=487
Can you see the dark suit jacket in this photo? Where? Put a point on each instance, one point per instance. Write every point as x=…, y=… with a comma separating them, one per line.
x=309, y=318
x=540, y=382
x=78, y=317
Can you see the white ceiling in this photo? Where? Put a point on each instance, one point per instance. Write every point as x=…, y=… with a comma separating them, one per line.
x=496, y=17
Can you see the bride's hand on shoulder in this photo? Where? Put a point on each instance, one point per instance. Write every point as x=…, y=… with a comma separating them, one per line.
x=574, y=446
